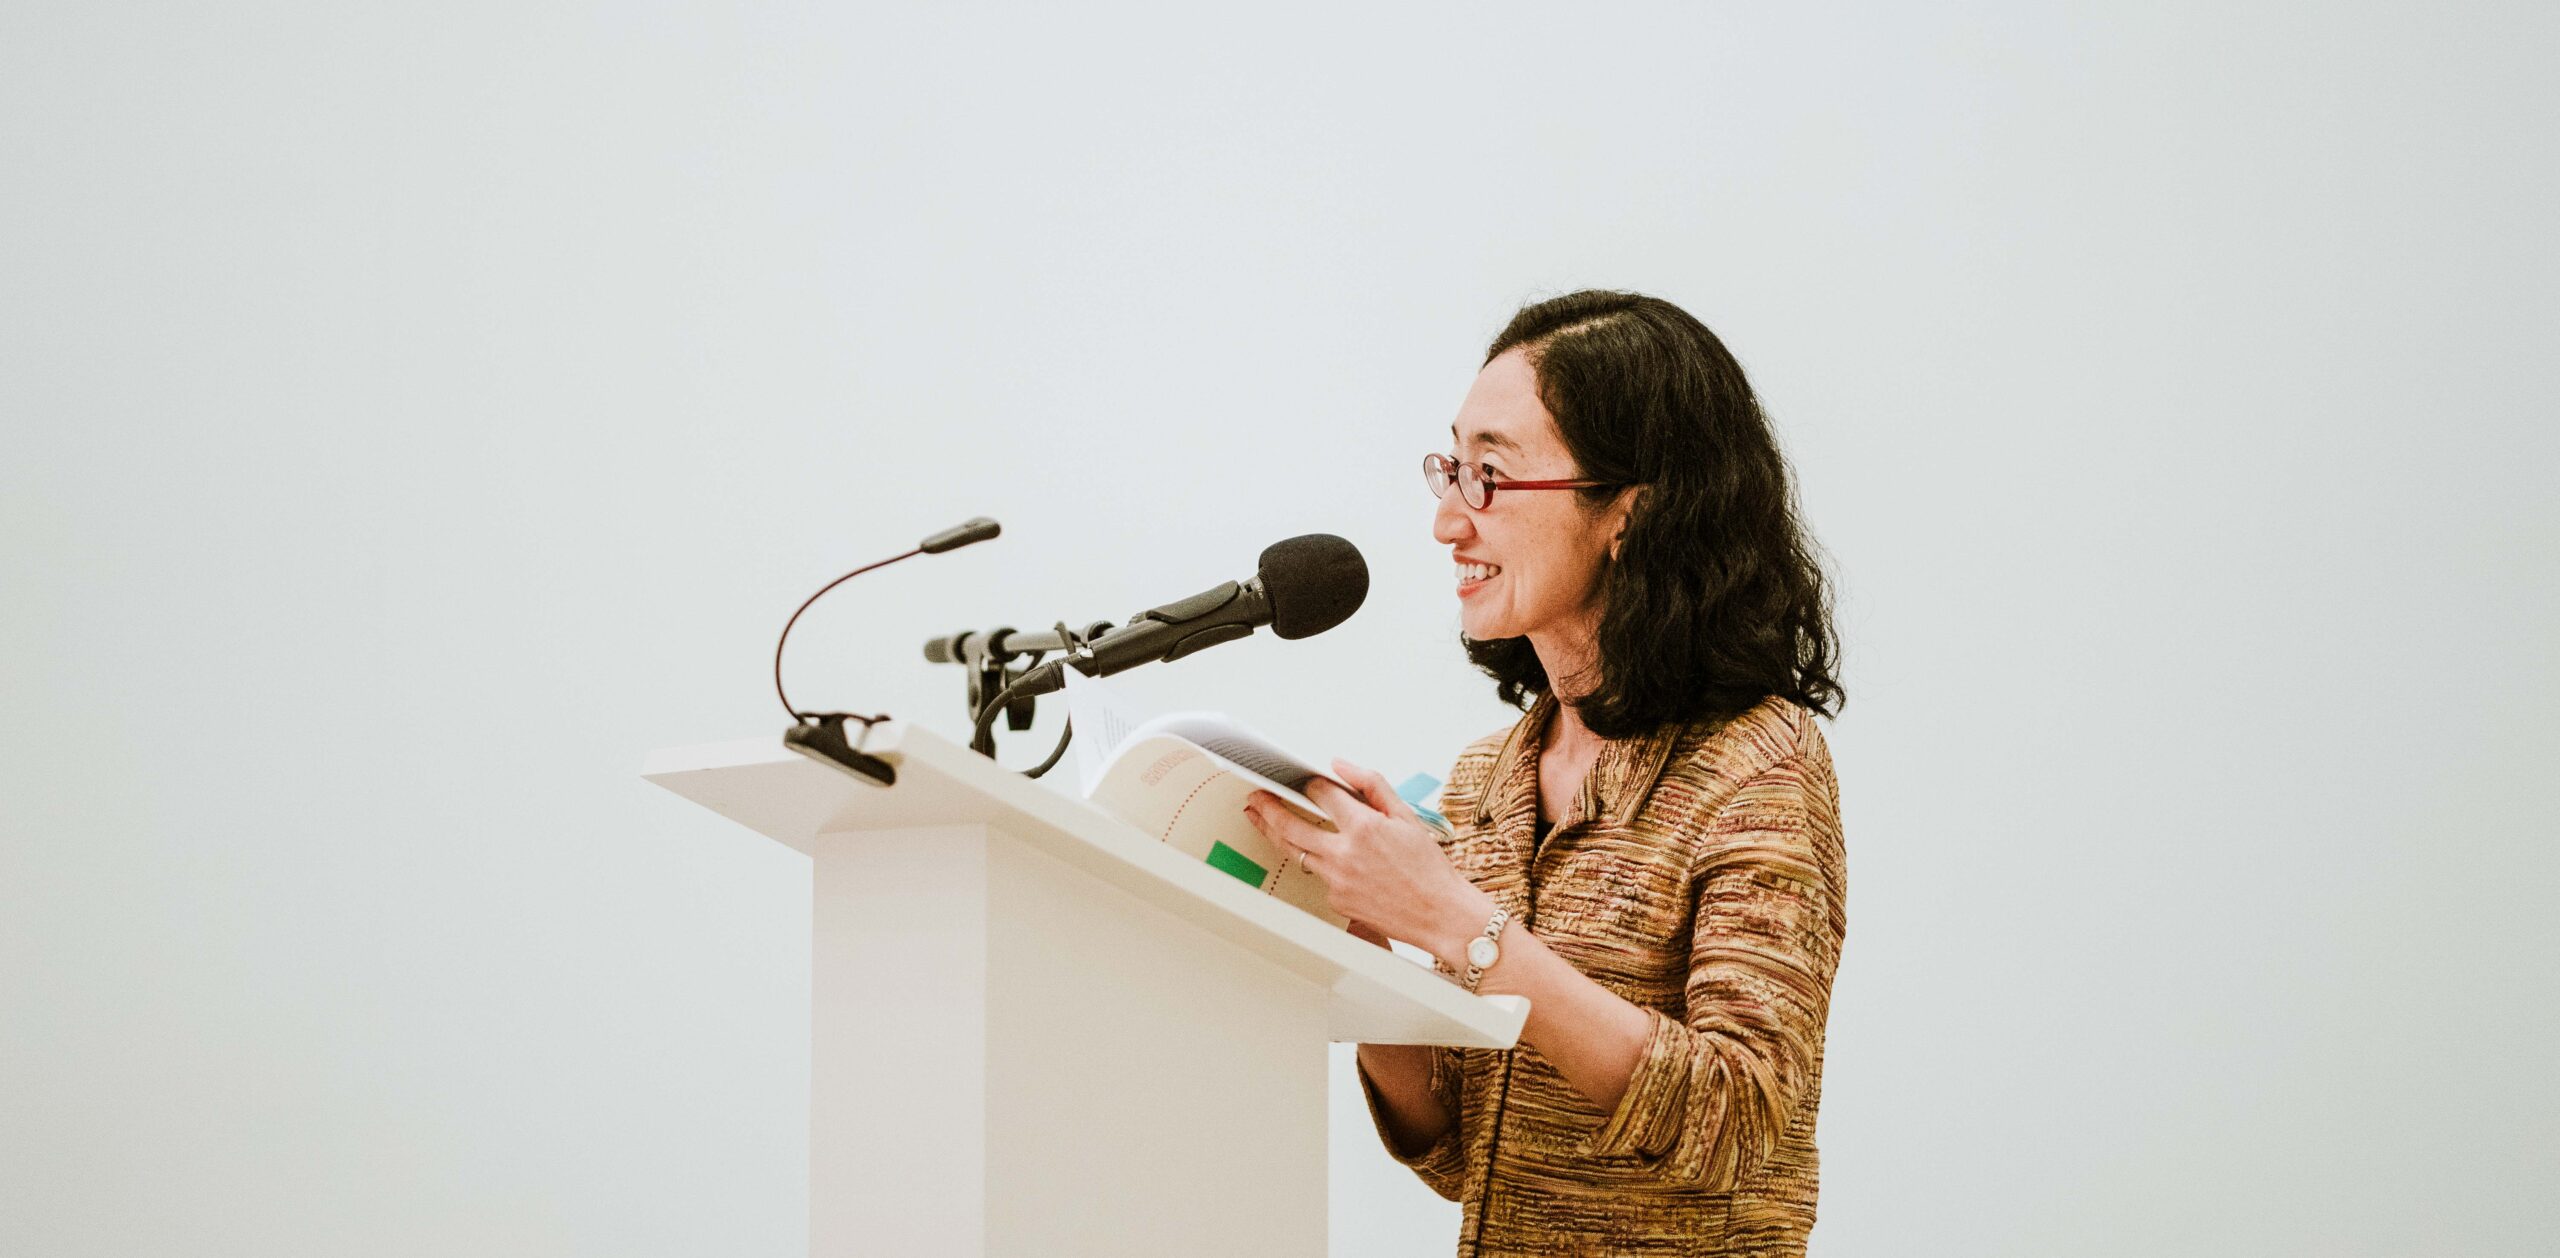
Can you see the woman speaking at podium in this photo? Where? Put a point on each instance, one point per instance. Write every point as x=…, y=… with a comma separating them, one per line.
x=1652, y=853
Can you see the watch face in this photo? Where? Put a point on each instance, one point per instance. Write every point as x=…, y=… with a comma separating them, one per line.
x=1481, y=953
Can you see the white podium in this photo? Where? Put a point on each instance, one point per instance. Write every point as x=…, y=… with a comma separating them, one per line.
x=1037, y=1031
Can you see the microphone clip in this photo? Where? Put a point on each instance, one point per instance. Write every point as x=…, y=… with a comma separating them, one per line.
x=993, y=670
x=821, y=737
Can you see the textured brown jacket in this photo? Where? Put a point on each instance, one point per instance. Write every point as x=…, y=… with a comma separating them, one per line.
x=1700, y=875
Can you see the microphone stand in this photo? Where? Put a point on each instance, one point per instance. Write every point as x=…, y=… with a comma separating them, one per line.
x=994, y=681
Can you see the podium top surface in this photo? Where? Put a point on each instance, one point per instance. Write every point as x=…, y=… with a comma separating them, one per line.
x=1374, y=996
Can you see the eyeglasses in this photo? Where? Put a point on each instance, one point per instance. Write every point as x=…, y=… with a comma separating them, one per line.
x=1476, y=485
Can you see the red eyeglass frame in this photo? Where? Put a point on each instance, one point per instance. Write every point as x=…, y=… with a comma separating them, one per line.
x=1431, y=465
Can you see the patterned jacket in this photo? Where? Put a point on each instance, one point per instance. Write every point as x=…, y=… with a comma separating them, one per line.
x=1700, y=875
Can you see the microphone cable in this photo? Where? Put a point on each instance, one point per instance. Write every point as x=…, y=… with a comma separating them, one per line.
x=985, y=727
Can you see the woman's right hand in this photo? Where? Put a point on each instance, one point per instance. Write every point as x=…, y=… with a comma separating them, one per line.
x=1379, y=862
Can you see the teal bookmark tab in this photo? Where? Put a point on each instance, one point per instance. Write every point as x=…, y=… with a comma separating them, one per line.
x=1416, y=791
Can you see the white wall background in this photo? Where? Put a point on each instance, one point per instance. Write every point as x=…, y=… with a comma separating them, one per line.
x=412, y=414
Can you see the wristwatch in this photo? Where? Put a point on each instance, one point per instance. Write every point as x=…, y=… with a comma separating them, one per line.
x=1485, y=949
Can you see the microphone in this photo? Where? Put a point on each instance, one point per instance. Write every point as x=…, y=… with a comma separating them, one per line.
x=820, y=735
x=1300, y=587
x=974, y=529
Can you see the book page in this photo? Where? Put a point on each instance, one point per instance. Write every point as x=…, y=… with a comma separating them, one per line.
x=1255, y=757
x=1103, y=719
x=1193, y=802
x=1182, y=777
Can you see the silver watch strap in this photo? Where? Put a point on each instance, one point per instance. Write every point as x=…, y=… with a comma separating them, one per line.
x=1493, y=931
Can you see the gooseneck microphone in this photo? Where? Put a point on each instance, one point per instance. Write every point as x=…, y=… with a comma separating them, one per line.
x=977, y=529
x=821, y=735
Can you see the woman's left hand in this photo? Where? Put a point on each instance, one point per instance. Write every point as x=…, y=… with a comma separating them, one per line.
x=1384, y=867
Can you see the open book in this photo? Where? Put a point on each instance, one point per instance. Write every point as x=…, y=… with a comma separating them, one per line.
x=1183, y=778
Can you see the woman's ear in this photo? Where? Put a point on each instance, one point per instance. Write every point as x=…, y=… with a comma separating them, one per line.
x=1624, y=510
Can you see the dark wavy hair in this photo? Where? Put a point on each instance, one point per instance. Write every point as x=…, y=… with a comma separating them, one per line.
x=1716, y=600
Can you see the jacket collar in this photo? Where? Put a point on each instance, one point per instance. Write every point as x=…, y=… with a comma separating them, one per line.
x=1615, y=789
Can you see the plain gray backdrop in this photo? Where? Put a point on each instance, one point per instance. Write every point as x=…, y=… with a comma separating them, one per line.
x=415, y=413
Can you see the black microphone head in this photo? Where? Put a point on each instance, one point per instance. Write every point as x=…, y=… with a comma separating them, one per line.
x=1313, y=583
x=975, y=529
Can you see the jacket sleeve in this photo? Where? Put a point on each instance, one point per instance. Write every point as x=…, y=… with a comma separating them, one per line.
x=1443, y=1166
x=1712, y=1094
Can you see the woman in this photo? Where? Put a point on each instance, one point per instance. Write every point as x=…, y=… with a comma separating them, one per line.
x=1652, y=854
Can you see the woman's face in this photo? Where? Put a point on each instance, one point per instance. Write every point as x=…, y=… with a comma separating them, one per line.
x=1545, y=551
